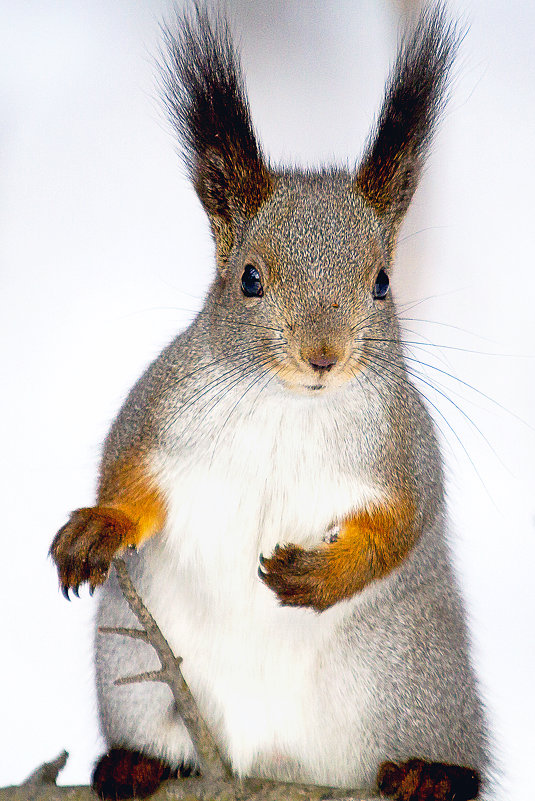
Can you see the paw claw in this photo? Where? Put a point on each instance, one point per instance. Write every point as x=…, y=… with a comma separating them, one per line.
x=294, y=575
x=84, y=548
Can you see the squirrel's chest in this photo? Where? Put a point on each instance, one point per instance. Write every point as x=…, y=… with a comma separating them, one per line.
x=270, y=478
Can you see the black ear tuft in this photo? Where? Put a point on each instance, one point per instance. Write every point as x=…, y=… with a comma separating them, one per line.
x=414, y=99
x=206, y=100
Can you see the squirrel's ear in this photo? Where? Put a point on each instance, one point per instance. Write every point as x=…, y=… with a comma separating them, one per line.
x=206, y=100
x=415, y=95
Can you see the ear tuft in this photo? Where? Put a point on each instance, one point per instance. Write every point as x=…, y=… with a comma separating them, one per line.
x=414, y=99
x=206, y=100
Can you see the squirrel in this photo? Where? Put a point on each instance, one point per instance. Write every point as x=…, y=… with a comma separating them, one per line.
x=274, y=479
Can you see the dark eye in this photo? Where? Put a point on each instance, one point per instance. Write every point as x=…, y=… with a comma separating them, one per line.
x=251, y=284
x=381, y=285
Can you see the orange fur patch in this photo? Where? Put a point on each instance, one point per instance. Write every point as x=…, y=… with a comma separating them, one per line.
x=127, y=487
x=370, y=545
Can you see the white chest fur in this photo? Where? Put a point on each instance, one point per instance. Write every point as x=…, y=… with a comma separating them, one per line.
x=258, y=669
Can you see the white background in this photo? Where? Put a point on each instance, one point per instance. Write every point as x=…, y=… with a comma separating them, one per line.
x=105, y=254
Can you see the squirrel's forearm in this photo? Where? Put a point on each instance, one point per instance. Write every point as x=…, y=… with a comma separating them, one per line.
x=127, y=487
x=370, y=544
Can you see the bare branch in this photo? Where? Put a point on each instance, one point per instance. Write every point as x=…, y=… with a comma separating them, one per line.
x=41, y=786
x=199, y=789
x=211, y=763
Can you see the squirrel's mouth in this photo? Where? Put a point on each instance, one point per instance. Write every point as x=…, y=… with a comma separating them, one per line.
x=320, y=372
x=296, y=380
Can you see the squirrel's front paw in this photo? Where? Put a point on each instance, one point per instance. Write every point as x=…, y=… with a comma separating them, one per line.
x=84, y=548
x=295, y=576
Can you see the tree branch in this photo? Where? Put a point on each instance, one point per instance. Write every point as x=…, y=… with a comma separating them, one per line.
x=41, y=786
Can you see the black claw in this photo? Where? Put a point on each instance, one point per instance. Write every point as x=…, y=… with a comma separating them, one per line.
x=261, y=573
x=91, y=589
x=261, y=559
x=277, y=548
x=65, y=591
x=75, y=590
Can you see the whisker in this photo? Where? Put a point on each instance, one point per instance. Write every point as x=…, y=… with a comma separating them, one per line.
x=392, y=380
x=473, y=389
x=241, y=358
x=235, y=321
x=442, y=358
x=410, y=304
x=251, y=384
x=446, y=325
x=421, y=231
x=389, y=369
x=450, y=347
x=137, y=312
x=453, y=377
x=230, y=385
x=412, y=372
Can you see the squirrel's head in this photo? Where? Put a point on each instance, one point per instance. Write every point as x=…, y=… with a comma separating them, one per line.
x=303, y=257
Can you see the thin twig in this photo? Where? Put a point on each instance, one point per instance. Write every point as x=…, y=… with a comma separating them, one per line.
x=150, y=675
x=136, y=634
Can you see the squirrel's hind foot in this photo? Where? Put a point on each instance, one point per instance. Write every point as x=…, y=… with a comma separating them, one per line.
x=417, y=780
x=122, y=774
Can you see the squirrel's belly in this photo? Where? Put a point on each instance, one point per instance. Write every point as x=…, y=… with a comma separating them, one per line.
x=262, y=677
x=257, y=669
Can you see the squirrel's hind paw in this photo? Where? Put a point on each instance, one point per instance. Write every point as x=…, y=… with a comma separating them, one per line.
x=427, y=781
x=84, y=548
x=122, y=773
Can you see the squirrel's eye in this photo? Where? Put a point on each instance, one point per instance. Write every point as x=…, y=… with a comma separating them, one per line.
x=251, y=284
x=381, y=286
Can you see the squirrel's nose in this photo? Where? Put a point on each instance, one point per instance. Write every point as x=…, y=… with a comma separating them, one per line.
x=322, y=362
x=321, y=358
